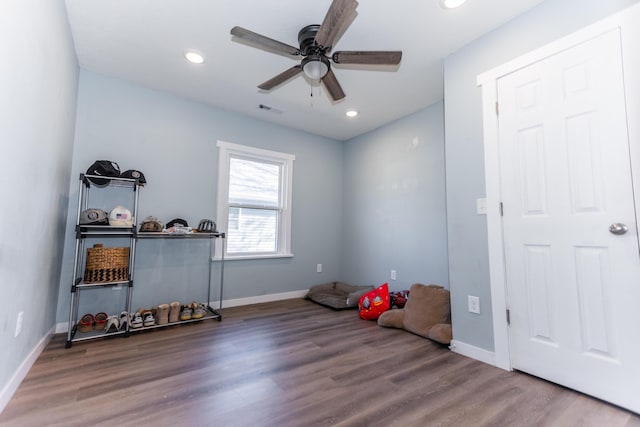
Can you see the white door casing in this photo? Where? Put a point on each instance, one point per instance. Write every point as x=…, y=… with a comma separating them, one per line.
x=597, y=324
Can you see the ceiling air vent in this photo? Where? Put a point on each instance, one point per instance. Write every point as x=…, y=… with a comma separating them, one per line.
x=270, y=109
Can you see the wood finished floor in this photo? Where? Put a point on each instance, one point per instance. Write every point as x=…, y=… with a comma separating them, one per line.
x=288, y=363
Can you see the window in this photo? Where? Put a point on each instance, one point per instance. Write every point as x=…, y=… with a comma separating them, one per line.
x=254, y=196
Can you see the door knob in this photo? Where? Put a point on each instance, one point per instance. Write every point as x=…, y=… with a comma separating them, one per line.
x=618, y=228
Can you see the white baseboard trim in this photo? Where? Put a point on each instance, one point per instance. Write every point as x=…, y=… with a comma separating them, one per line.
x=473, y=352
x=64, y=326
x=259, y=299
x=10, y=388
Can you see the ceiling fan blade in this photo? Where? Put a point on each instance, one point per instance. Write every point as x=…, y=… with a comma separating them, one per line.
x=381, y=57
x=281, y=78
x=263, y=42
x=338, y=18
x=333, y=87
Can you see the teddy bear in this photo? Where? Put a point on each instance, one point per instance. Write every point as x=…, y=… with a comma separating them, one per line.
x=427, y=313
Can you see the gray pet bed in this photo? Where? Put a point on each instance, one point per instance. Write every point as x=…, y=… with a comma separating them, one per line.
x=337, y=295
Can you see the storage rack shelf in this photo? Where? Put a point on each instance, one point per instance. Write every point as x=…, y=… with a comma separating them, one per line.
x=107, y=232
x=212, y=313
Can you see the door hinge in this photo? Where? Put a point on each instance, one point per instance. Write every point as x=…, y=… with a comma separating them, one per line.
x=508, y=317
x=501, y=209
x=497, y=108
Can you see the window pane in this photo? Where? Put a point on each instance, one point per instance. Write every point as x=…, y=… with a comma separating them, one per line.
x=234, y=218
x=253, y=230
x=254, y=183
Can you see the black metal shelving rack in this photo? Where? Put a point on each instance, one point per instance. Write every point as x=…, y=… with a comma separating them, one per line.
x=212, y=313
x=83, y=232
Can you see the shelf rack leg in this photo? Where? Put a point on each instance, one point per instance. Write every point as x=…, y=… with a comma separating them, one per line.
x=212, y=252
x=223, y=236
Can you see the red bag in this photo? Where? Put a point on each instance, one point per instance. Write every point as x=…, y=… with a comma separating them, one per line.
x=374, y=303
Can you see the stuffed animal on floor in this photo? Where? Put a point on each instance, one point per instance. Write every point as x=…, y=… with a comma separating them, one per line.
x=427, y=313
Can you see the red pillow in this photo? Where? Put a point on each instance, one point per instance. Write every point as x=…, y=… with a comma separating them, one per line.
x=374, y=303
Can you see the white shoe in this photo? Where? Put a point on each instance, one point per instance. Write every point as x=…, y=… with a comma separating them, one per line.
x=136, y=321
x=113, y=324
x=148, y=319
x=124, y=320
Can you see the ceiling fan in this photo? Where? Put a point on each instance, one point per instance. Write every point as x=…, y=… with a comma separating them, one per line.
x=316, y=42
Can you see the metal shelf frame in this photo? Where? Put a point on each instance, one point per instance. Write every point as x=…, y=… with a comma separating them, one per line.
x=86, y=231
x=217, y=312
x=105, y=231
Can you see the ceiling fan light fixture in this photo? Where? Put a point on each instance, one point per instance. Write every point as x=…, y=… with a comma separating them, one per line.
x=194, y=57
x=316, y=42
x=315, y=66
x=451, y=4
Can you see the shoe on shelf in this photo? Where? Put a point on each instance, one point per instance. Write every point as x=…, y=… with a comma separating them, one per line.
x=186, y=312
x=148, y=319
x=163, y=314
x=113, y=324
x=124, y=321
x=136, y=320
x=100, y=321
x=86, y=323
x=174, y=312
x=199, y=311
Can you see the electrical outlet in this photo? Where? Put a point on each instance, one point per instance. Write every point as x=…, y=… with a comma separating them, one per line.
x=393, y=275
x=19, y=323
x=319, y=268
x=474, y=304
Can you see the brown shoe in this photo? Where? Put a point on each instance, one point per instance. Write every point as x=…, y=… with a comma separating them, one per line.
x=86, y=323
x=163, y=314
x=174, y=312
x=100, y=321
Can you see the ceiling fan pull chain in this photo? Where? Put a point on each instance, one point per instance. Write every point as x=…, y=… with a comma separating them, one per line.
x=311, y=96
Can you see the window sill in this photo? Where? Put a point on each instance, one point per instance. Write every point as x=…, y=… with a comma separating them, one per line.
x=251, y=257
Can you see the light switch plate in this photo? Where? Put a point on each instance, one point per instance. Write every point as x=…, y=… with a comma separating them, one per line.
x=481, y=206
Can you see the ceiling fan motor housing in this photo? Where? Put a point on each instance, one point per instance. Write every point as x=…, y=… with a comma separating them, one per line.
x=307, y=40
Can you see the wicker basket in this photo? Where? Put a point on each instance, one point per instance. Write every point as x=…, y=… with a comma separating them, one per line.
x=106, y=264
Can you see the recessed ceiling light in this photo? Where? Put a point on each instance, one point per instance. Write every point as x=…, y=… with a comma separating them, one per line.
x=351, y=113
x=451, y=4
x=194, y=57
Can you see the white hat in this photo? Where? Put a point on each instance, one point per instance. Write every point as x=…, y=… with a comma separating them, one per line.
x=120, y=217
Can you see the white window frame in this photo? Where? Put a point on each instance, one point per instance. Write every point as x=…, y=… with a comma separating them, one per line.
x=226, y=150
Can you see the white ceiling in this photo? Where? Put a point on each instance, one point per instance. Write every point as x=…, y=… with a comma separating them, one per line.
x=143, y=41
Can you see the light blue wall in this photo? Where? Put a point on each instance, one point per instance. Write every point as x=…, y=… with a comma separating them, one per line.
x=467, y=232
x=394, y=203
x=390, y=214
x=38, y=85
x=173, y=142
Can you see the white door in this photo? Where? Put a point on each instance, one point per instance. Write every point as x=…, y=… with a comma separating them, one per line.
x=573, y=286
